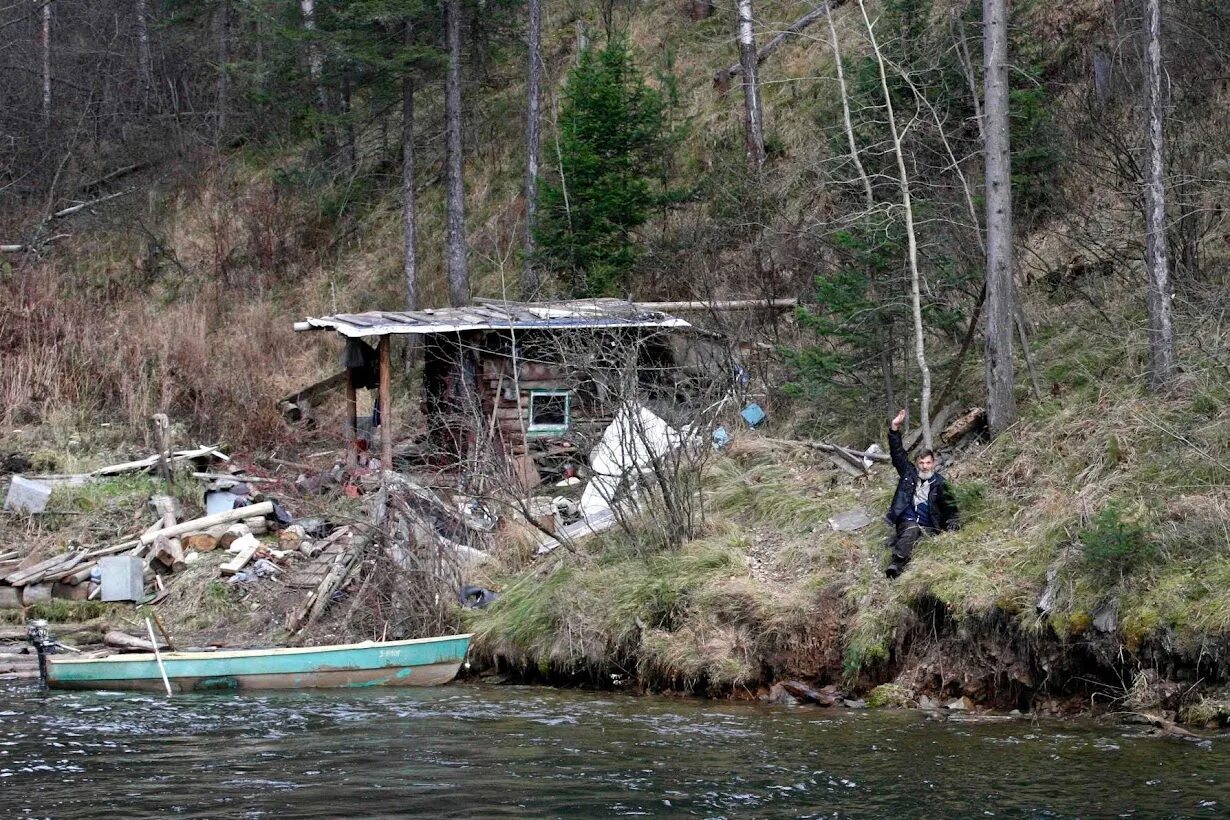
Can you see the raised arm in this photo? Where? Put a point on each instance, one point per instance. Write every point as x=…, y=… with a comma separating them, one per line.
x=896, y=449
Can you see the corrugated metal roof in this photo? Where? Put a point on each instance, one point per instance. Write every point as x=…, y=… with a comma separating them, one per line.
x=489, y=314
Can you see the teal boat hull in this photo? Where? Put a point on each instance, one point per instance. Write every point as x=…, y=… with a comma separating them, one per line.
x=419, y=662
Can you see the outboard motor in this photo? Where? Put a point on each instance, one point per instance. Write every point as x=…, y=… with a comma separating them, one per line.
x=40, y=636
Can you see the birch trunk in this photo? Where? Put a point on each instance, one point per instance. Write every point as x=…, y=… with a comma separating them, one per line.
x=1157, y=262
x=753, y=113
x=907, y=205
x=458, y=266
x=882, y=331
x=1000, y=376
x=529, y=280
x=144, y=61
x=45, y=49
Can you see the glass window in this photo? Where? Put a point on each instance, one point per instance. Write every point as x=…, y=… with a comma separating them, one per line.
x=550, y=411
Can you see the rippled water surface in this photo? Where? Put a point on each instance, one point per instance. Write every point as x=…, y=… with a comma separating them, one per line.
x=469, y=750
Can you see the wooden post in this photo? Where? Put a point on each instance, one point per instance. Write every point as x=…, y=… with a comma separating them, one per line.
x=351, y=433
x=161, y=426
x=386, y=405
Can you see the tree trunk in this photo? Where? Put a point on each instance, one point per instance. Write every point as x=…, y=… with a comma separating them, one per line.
x=144, y=61
x=753, y=113
x=222, y=24
x=1000, y=311
x=409, y=218
x=44, y=42
x=529, y=280
x=458, y=266
x=1157, y=262
x=920, y=354
x=316, y=63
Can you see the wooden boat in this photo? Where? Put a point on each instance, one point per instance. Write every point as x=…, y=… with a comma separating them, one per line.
x=419, y=662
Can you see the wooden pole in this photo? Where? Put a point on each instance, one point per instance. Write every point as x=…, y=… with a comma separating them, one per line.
x=158, y=657
x=352, y=421
x=386, y=405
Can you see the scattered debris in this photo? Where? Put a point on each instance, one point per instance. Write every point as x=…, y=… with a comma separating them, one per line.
x=474, y=597
x=27, y=495
x=122, y=578
x=754, y=415
x=850, y=521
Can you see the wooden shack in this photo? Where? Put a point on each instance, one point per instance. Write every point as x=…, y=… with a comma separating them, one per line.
x=532, y=378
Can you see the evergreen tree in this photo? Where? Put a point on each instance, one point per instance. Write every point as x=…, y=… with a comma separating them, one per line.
x=613, y=141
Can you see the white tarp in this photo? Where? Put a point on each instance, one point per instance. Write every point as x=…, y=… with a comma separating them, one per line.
x=629, y=447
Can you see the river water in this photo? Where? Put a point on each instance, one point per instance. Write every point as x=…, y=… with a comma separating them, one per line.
x=471, y=750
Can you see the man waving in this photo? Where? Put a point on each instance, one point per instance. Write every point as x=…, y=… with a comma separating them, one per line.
x=923, y=504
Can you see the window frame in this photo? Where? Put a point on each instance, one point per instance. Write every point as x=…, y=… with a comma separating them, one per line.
x=533, y=429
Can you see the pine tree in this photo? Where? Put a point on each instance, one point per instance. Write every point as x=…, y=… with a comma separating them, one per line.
x=613, y=140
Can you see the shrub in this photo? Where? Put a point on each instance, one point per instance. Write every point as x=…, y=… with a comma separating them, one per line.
x=1117, y=541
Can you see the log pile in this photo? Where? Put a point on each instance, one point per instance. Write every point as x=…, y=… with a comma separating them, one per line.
x=164, y=546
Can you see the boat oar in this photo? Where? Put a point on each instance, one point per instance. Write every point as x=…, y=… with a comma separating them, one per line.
x=158, y=656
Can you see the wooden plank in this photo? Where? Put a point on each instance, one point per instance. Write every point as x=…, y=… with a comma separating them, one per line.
x=248, y=546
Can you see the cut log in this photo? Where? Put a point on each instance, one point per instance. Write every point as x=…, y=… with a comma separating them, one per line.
x=937, y=424
x=79, y=575
x=9, y=598
x=248, y=545
x=35, y=594
x=232, y=534
x=70, y=592
x=202, y=524
x=965, y=424
x=170, y=553
x=201, y=542
x=129, y=643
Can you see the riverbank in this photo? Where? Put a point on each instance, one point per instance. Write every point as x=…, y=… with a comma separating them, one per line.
x=1091, y=573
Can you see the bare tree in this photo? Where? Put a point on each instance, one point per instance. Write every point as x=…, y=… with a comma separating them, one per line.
x=144, y=62
x=45, y=48
x=409, y=226
x=1001, y=399
x=884, y=355
x=529, y=280
x=753, y=116
x=907, y=205
x=223, y=25
x=1157, y=262
x=458, y=265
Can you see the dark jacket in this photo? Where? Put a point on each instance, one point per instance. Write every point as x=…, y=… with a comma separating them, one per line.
x=940, y=498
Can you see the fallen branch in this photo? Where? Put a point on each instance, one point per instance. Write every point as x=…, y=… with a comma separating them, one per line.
x=81, y=206
x=146, y=463
x=721, y=78
x=824, y=446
